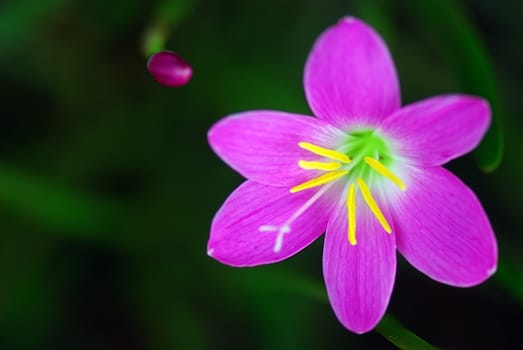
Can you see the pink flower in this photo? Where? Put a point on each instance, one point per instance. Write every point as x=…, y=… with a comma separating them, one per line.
x=365, y=171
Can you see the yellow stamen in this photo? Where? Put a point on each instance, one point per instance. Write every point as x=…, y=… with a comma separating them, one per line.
x=324, y=152
x=380, y=168
x=330, y=166
x=351, y=206
x=373, y=206
x=320, y=180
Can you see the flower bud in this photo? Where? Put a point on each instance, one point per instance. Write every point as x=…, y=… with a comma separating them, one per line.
x=169, y=69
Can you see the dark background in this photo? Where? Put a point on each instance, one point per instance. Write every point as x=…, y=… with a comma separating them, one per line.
x=108, y=185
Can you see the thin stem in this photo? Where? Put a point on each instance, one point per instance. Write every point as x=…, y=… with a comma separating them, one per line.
x=392, y=330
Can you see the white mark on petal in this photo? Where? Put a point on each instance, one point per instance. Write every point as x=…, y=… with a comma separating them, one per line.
x=268, y=228
x=210, y=251
x=286, y=227
x=279, y=238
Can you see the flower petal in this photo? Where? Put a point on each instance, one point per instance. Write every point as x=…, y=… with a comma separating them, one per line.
x=436, y=130
x=263, y=145
x=350, y=76
x=243, y=232
x=442, y=229
x=359, y=278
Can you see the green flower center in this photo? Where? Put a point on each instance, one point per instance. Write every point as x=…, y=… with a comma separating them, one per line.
x=362, y=156
x=363, y=144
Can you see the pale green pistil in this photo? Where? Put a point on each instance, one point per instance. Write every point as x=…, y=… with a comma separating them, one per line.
x=364, y=143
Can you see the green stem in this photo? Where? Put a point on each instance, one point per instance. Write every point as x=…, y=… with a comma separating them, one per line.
x=166, y=16
x=392, y=330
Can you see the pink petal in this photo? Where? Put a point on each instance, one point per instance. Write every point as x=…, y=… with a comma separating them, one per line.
x=350, y=76
x=359, y=278
x=442, y=229
x=436, y=130
x=263, y=145
x=243, y=232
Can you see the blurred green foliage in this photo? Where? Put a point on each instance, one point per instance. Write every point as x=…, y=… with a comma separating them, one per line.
x=108, y=186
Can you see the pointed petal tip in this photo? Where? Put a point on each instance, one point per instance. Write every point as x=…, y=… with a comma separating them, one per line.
x=491, y=271
x=222, y=254
x=487, y=110
x=481, y=276
x=476, y=282
x=354, y=21
x=211, y=134
x=362, y=330
x=482, y=104
x=348, y=19
x=211, y=249
x=361, y=326
x=214, y=252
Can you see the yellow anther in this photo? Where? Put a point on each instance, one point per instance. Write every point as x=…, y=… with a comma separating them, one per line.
x=380, y=168
x=373, y=206
x=351, y=206
x=320, y=180
x=330, y=166
x=324, y=152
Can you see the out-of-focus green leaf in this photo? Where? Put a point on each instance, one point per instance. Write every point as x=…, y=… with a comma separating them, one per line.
x=20, y=19
x=278, y=280
x=378, y=14
x=510, y=277
x=55, y=206
x=30, y=290
x=449, y=22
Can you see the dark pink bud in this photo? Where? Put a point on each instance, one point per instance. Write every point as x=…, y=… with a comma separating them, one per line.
x=169, y=69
